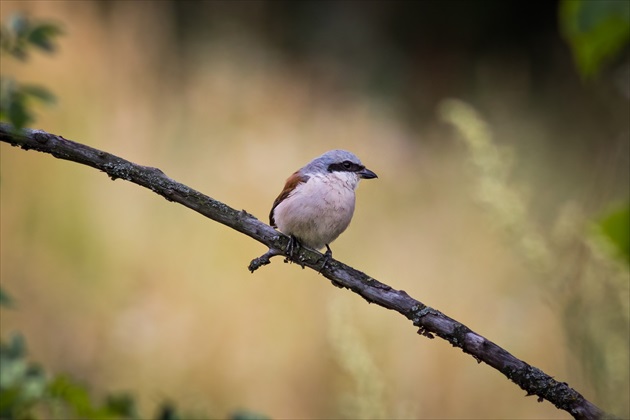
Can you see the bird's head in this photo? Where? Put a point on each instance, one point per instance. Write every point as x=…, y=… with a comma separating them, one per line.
x=339, y=162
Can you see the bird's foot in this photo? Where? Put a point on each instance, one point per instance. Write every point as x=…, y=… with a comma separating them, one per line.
x=293, y=248
x=326, y=259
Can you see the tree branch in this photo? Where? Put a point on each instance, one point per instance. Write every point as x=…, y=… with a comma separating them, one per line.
x=429, y=321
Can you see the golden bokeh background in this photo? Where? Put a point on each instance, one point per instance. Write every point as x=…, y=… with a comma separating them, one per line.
x=125, y=291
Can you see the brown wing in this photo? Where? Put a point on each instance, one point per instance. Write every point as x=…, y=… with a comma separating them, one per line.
x=292, y=182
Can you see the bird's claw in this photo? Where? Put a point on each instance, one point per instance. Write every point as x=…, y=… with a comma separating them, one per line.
x=326, y=259
x=292, y=250
x=292, y=246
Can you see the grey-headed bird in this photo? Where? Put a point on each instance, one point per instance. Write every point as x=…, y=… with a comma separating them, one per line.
x=317, y=202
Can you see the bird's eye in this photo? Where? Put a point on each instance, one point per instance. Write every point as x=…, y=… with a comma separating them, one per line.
x=347, y=164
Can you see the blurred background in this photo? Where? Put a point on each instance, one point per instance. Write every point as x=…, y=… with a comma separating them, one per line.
x=495, y=159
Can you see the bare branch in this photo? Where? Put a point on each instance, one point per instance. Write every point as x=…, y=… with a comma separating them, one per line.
x=429, y=321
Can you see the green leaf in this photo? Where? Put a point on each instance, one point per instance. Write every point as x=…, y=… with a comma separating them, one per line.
x=42, y=36
x=20, y=33
x=22, y=384
x=25, y=389
x=596, y=31
x=38, y=92
x=18, y=114
x=77, y=398
x=17, y=35
x=14, y=101
x=13, y=36
x=5, y=39
x=14, y=349
x=615, y=226
x=122, y=405
x=18, y=24
x=5, y=299
x=73, y=395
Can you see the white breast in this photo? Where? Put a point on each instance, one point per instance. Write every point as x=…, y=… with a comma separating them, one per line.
x=319, y=210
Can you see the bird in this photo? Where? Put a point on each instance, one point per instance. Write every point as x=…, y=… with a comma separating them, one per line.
x=318, y=200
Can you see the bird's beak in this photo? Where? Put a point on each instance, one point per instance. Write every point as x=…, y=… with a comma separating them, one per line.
x=365, y=173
